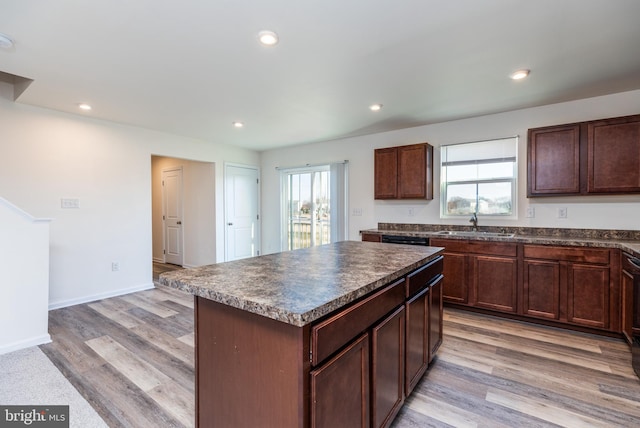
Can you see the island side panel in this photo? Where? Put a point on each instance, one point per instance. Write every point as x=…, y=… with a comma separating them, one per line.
x=250, y=370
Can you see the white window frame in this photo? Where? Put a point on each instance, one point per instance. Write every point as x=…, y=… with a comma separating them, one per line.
x=513, y=180
x=339, y=185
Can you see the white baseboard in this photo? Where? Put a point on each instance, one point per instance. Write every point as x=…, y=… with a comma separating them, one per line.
x=86, y=299
x=27, y=343
x=157, y=260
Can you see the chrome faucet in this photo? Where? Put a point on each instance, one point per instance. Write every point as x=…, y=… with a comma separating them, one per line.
x=474, y=221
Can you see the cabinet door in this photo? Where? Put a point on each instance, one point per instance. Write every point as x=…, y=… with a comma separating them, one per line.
x=456, y=289
x=614, y=156
x=415, y=176
x=553, y=161
x=435, y=317
x=495, y=283
x=340, y=388
x=588, y=295
x=417, y=354
x=386, y=173
x=627, y=306
x=387, y=368
x=541, y=290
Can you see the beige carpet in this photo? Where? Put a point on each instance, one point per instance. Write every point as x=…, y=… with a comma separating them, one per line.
x=27, y=377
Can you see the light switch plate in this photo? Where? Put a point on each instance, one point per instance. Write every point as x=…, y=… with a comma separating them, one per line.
x=531, y=212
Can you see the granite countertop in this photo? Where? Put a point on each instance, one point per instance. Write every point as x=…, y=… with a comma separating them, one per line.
x=298, y=287
x=626, y=240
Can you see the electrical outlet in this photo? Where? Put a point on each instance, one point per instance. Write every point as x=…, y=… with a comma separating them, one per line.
x=562, y=212
x=531, y=212
x=411, y=212
x=70, y=203
x=115, y=266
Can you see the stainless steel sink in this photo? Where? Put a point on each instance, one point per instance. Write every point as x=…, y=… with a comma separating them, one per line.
x=476, y=233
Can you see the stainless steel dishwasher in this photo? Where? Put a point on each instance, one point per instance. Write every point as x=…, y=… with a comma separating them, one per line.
x=631, y=265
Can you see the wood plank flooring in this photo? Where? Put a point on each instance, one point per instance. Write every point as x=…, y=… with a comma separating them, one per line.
x=131, y=357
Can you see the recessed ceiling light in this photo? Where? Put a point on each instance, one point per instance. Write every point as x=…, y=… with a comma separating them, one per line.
x=5, y=41
x=520, y=74
x=238, y=124
x=268, y=38
x=375, y=107
x=84, y=106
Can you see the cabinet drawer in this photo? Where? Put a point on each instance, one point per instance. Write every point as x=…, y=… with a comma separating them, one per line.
x=478, y=247
x=569, y=254
x=451, y=245
x=419, y=278
x=336, y=331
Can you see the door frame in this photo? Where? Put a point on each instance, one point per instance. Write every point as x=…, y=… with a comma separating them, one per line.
x=164, y=221
x=226, y=220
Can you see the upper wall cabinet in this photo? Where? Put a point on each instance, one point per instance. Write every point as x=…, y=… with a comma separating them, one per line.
x=597, y=157
x=404, y=172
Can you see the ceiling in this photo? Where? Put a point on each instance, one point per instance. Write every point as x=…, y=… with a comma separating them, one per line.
x=193, y=67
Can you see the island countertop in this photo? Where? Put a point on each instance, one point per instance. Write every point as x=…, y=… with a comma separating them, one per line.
x=298, y=287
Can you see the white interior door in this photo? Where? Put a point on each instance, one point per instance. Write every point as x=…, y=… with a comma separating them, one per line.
x=172, y=215
x=241, y=212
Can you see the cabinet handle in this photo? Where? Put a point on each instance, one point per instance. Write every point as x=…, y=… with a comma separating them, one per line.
x=634, y=262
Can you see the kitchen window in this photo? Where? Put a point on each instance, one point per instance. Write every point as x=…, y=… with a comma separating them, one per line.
x=314, y=205
x=479, y=177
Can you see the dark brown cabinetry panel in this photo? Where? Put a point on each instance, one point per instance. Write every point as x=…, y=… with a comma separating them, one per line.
x=387, y=368
x=596, y=157
x=386, y=173
x=614, y=156
x=340, y=388
x=541, y=289
x=573, y=285
x=553, y=161
x=371, y=237
x=404, y=172
x=480, y=273
x=417, y=346
x=588, y=295
x=627, y=306
x=435, y=317
x=494, y=282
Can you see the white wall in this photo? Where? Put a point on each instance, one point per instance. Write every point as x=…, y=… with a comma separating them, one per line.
x=24, y=293
x=199, y=211
x=47, y=155
x=598, y=212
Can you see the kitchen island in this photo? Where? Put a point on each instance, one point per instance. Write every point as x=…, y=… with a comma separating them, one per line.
x=336, y=335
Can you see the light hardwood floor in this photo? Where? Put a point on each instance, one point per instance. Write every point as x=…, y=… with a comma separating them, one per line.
x=131, y=357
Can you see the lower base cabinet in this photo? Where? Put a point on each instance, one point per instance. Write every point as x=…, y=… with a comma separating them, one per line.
x=340, y=388
x=387, y=368
x=347, y=369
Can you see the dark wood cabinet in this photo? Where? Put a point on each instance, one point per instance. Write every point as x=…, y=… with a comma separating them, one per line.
x=480, y=273
x=396, y=328
x=553, y=162
x=404, y=172
x=372, y=237
x=455, y=283
x=417, y=346
x=494, y=282
x=541, y=289
x=614, y=155
x=588, y=295
x=386, y=173
x=596, y=157
x=387, y=368
x=626, y=282
x=435, y=317
x=571, y=284
x=340, y=388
